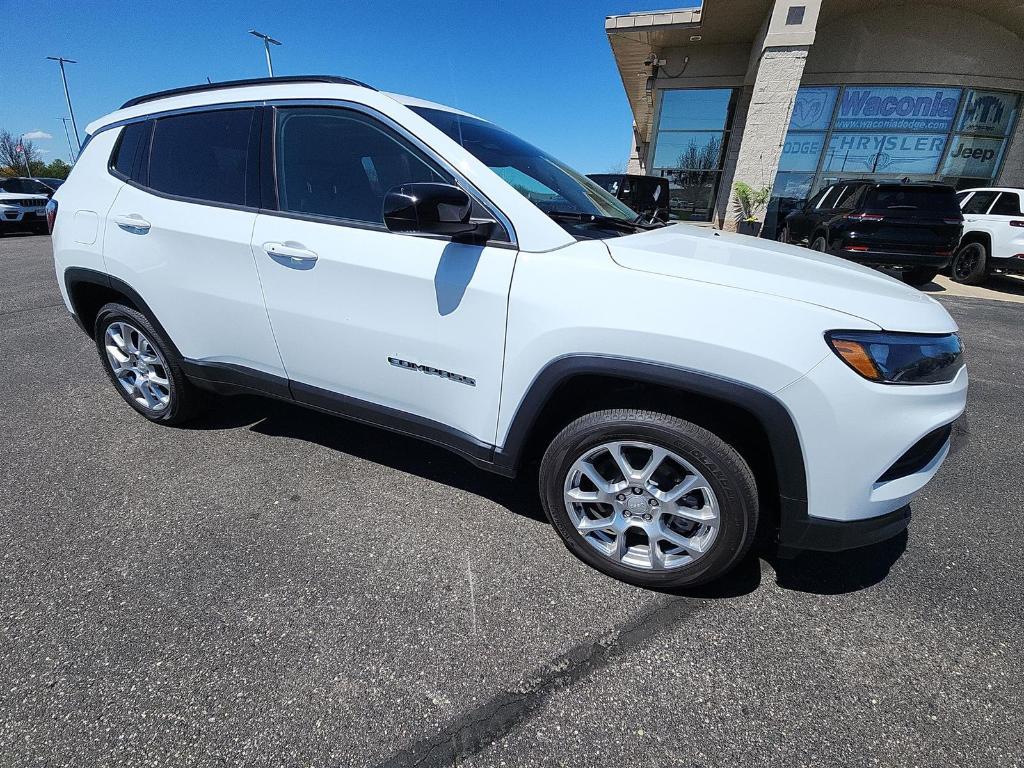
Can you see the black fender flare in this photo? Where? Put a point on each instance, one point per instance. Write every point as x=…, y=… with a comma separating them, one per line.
x=76, y=276
x=773, y=416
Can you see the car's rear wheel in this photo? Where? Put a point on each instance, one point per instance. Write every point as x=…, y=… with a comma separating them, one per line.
x=919, y=276
x=648, y=498
x=969, y=264
x=819, y=244
x=144, y=367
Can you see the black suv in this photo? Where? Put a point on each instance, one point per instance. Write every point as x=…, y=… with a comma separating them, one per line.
x=647, y=195
x=910, y=225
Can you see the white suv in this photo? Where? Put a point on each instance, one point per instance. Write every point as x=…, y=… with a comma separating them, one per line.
x=22, y=205
x=412, y=266
x=993, y=238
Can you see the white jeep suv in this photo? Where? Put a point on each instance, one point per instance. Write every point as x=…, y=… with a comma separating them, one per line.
x=22, y=205
x=408, y=265
x=993, y=237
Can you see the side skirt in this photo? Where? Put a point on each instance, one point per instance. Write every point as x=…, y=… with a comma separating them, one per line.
x=227, y=379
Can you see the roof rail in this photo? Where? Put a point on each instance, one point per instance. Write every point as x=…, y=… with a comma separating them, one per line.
x=243, y=84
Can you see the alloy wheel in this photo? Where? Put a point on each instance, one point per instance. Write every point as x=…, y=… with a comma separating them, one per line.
x=641, y=505
x=967, y=261
x=138, y=366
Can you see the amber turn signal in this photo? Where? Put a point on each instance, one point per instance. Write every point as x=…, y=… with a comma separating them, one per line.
x=856, y=356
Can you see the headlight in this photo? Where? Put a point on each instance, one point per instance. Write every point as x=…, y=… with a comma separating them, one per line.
x=899, y=358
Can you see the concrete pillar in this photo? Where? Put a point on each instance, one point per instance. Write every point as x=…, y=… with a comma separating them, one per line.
x=773, y=78
x=637, y=162
x=1012, y=173
x=771, y=104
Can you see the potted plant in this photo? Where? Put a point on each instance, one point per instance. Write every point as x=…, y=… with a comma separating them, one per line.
x=750, y=202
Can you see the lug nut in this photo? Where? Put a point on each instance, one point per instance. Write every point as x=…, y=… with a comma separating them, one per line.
x=627, y=513
x=653, y=502
x=647, y=517
x=637, y=491
x=621, y=497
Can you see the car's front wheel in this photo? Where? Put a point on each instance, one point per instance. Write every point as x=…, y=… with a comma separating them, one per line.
x=969, y=264
x=648, y=498
x=819, y=244
x=144, y=367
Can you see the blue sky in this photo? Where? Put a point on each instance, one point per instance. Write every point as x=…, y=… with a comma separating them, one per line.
x=541, y=68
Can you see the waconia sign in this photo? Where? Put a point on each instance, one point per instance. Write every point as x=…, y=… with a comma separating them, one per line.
x=895, y=109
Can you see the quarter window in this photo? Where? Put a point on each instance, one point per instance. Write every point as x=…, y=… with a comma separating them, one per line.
x=979, y=202
x=1008, y=204
x=339, y=163
x=129, y=150
x=202, y=155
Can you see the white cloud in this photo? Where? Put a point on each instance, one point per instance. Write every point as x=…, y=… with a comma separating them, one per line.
x=38, y=135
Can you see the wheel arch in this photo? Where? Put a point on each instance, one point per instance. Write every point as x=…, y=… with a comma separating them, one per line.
x=976, y=236
x=576, y=382
x=89, y=290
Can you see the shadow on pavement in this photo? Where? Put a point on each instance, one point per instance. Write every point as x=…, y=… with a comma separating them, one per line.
x=825, y=573
x=406, y=454
x=835, y=573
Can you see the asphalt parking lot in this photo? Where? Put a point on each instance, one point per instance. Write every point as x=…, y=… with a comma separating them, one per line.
x=274, y=587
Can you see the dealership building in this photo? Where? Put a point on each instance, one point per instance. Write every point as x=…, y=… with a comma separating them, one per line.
x=799, y=93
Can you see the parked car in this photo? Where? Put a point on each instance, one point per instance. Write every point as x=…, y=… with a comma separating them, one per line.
x=993, y=239
x=53, y=184
x=912, y=226
x=647, y=195
x=20, y=211
x=23, y=185
x=401, y=263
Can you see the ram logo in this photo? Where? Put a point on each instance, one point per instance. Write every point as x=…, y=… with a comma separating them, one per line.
x=430, y=371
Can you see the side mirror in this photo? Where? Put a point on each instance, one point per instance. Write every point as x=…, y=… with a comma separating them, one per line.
x=429, y=208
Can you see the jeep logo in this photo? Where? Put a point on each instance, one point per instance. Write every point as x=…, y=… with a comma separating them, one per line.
x=967, y=152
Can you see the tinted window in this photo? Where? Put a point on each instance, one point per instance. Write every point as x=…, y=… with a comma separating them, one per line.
x=980, y=202
x=23, y=186
x=847, y=198
x=1008, y=204
x=128, y=148
x=825, y=199
x=333, y=162
x=202, y=155
x=930, y=199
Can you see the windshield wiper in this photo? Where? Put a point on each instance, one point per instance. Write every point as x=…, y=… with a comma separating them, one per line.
x=596, y=218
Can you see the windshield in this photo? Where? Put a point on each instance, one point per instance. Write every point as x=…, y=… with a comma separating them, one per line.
x=23, y=186
x=552, y=186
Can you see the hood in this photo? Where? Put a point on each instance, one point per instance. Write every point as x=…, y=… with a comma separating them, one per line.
x=22, y=196
x=787, y=271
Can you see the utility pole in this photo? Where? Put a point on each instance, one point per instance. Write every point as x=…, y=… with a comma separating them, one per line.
x=64, y=78
x=71, y=149
x=267, y=42
x=24, y=154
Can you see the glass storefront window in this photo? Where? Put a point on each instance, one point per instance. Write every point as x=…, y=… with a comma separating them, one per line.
x=693, y=128
x=956, y=135
x=990, y=113
x=881, y=153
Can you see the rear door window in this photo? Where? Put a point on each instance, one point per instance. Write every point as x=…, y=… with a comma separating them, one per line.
x=202, y=155
x=980, y=202
x=1008, y=204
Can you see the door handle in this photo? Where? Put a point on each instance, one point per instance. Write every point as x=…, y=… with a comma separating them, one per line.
x=133, y=223
x=291, y=255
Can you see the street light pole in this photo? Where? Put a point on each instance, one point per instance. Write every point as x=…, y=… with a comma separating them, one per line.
x=24, y=154
x=267, y=42
x=64, y=78
x=71, y=149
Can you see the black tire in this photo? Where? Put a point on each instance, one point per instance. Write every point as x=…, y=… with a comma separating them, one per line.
x=919, y=276
x=185, y=400
x=819, y=244
x=970, y=265
x=725, y=470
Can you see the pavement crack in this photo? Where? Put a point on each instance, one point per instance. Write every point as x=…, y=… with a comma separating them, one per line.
x=477, y=728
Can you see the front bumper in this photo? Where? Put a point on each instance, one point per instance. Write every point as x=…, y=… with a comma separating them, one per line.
x=852, y=432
